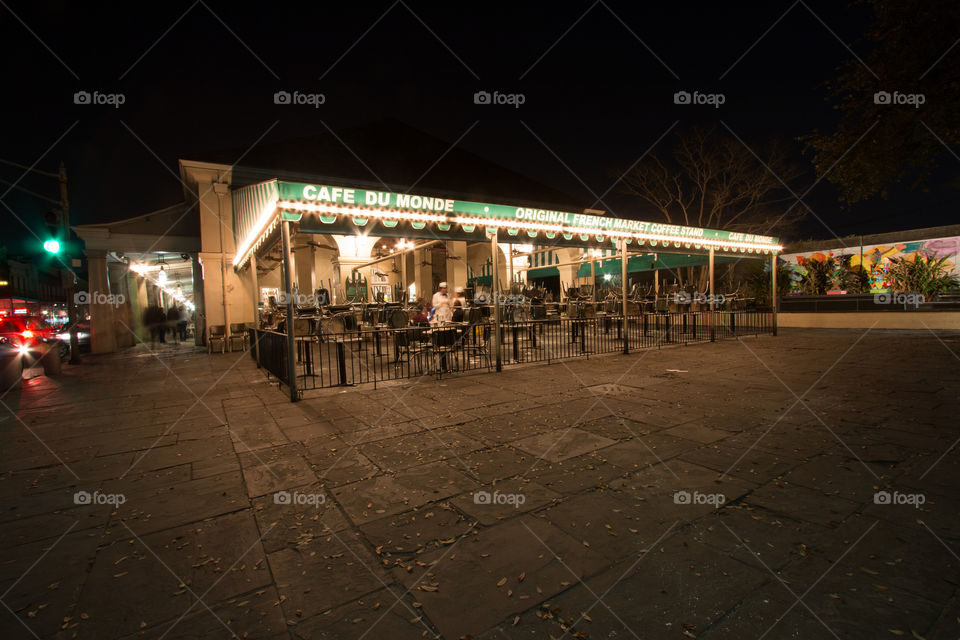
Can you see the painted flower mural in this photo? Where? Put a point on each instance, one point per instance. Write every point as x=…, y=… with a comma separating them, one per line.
x=875, y=260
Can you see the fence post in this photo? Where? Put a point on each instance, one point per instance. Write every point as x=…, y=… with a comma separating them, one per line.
x=623, y=281
x=773, y=289
x=494, y=251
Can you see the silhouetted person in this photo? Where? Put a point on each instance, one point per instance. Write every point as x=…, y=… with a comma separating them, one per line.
x=182, y=323
x=173, y=319
x=421, y=317
x=155, y=319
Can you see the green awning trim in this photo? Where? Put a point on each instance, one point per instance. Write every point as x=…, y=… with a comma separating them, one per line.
x=545, y=272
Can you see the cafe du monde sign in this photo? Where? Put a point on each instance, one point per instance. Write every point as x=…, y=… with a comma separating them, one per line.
x=366, y=198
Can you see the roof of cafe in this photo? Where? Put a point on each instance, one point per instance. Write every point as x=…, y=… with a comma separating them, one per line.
x=388, y=154
x=342, y=209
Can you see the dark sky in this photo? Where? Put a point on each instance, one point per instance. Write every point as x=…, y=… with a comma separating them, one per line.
x=202, y=76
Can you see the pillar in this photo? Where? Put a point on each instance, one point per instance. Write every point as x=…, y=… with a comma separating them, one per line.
x=103, y=337
x=656, y=280
x=495, y=254
x=199, y=304
x=422, y=275
x=255, y=291
x=126, y=328
x=773, y=290
x=457, y=269
x=623, y=284
x=711, y=280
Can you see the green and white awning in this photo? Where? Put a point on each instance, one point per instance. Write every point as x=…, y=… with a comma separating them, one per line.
x=333, y=209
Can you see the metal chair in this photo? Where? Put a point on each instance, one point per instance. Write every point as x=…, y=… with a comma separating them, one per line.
x=445, y=343
x=216, y=333
x=475, y=344
x=408, y=347
x=238, y=335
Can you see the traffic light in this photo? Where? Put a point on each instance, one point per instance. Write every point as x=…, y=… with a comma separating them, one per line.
x=52, y=221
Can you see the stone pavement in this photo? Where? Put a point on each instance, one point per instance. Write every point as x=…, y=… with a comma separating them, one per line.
x=802, y=486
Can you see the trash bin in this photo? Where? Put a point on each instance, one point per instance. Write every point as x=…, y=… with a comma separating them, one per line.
x=50, y=358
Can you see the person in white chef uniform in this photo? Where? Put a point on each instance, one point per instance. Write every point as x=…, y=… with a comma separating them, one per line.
x=442, y=311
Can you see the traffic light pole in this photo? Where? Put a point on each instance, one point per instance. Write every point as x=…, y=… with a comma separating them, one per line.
x=70, y=276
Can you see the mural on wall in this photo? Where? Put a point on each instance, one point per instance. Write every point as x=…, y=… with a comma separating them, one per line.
x=875, y=260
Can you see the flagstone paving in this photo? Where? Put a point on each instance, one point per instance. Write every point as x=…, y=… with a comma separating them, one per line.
x=803, y=486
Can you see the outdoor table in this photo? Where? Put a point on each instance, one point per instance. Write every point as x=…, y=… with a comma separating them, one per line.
x=375, y=330
x=305, y=355
x=579, y=328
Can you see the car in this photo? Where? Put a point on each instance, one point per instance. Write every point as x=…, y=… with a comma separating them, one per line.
x=11, y=364
x=28, y=333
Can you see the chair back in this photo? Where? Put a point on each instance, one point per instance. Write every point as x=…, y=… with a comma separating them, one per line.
x=349, y=321
x=217, y=330
x=445, y=337
x=238, y=327
x=399, y=319
x=403, y=337
x=474, y=315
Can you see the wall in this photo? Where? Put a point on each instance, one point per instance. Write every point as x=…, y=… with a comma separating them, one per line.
x=918, y=320
x=216, y=227
x=876, y=258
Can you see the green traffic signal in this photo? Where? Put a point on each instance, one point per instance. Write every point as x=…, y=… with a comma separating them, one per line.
x=52, y=246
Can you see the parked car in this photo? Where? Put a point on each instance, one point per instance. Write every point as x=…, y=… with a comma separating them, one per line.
x=28, y=333
x=11, y=364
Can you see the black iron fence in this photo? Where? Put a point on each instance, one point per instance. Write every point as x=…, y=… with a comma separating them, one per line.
x=269, y=349
x=377, y=354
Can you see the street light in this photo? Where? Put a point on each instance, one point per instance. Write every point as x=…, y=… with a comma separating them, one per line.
x=52, y=246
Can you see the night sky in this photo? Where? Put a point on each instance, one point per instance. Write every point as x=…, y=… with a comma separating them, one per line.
x=597, y=78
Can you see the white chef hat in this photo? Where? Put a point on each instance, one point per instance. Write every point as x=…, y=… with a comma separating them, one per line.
x=458, y=290
x=443, y=284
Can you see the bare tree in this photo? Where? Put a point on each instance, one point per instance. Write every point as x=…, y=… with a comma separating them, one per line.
x=710, y=179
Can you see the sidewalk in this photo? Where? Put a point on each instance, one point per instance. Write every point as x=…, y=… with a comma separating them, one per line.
x=799, y=486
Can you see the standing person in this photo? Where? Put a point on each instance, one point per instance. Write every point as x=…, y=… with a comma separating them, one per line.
x=153, y=318
x=182, y=324
x=173, y=319
x=421, y=317
x=459, y=305
x=442, y=311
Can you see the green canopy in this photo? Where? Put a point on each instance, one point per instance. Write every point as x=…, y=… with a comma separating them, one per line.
x=636, y=264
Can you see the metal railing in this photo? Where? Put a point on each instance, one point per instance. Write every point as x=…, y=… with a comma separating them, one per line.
x=272, y=349
x=378, y=354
